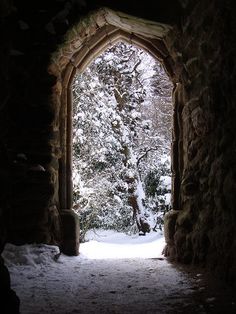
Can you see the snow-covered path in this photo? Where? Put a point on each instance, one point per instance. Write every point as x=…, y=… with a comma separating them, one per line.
x=89, y=284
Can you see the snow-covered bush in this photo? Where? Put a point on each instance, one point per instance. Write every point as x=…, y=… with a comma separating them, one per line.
x=158, y=191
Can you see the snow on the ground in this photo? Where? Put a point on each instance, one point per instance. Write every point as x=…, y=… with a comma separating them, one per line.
x=107, y=277
x=110, y=244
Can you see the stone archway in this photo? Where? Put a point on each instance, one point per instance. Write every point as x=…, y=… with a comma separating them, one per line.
x=83, y=43
x=34, y=127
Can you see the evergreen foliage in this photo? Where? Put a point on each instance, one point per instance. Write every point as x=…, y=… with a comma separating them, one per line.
x=121, y=141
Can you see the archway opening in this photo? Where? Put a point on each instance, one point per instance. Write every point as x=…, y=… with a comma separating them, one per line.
x=87, y=40
x=122, y=122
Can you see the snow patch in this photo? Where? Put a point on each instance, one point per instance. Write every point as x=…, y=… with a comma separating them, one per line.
x=110, y=244
x=29, y=255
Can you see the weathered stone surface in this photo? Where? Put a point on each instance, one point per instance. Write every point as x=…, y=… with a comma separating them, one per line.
x=204, y=228
x=169, y=232
x=70, y=232
x=170, y=225
x=199, y=120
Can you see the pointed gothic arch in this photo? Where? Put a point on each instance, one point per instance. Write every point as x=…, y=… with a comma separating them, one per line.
x=83, y=43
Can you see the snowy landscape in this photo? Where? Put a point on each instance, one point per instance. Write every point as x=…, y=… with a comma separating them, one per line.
x=122, y=121
x=109, y=262
x=105, y=244
x=114, y=274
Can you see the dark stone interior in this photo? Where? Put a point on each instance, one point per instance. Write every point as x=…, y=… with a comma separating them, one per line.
x=201, y=228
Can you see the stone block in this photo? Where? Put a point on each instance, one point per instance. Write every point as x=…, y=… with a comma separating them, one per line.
x=169, y=225
x=70, y=233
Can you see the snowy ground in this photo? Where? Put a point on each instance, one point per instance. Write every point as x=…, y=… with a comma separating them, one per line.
x=109, y=244
x=114, y=273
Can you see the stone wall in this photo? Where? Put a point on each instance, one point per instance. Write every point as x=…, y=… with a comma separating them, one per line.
x=202, y=227
x=28, y=139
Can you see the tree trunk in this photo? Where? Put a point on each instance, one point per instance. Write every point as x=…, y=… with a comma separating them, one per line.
x=132, y=181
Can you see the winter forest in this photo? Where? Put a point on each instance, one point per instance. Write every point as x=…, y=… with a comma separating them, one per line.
x=122, y=120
